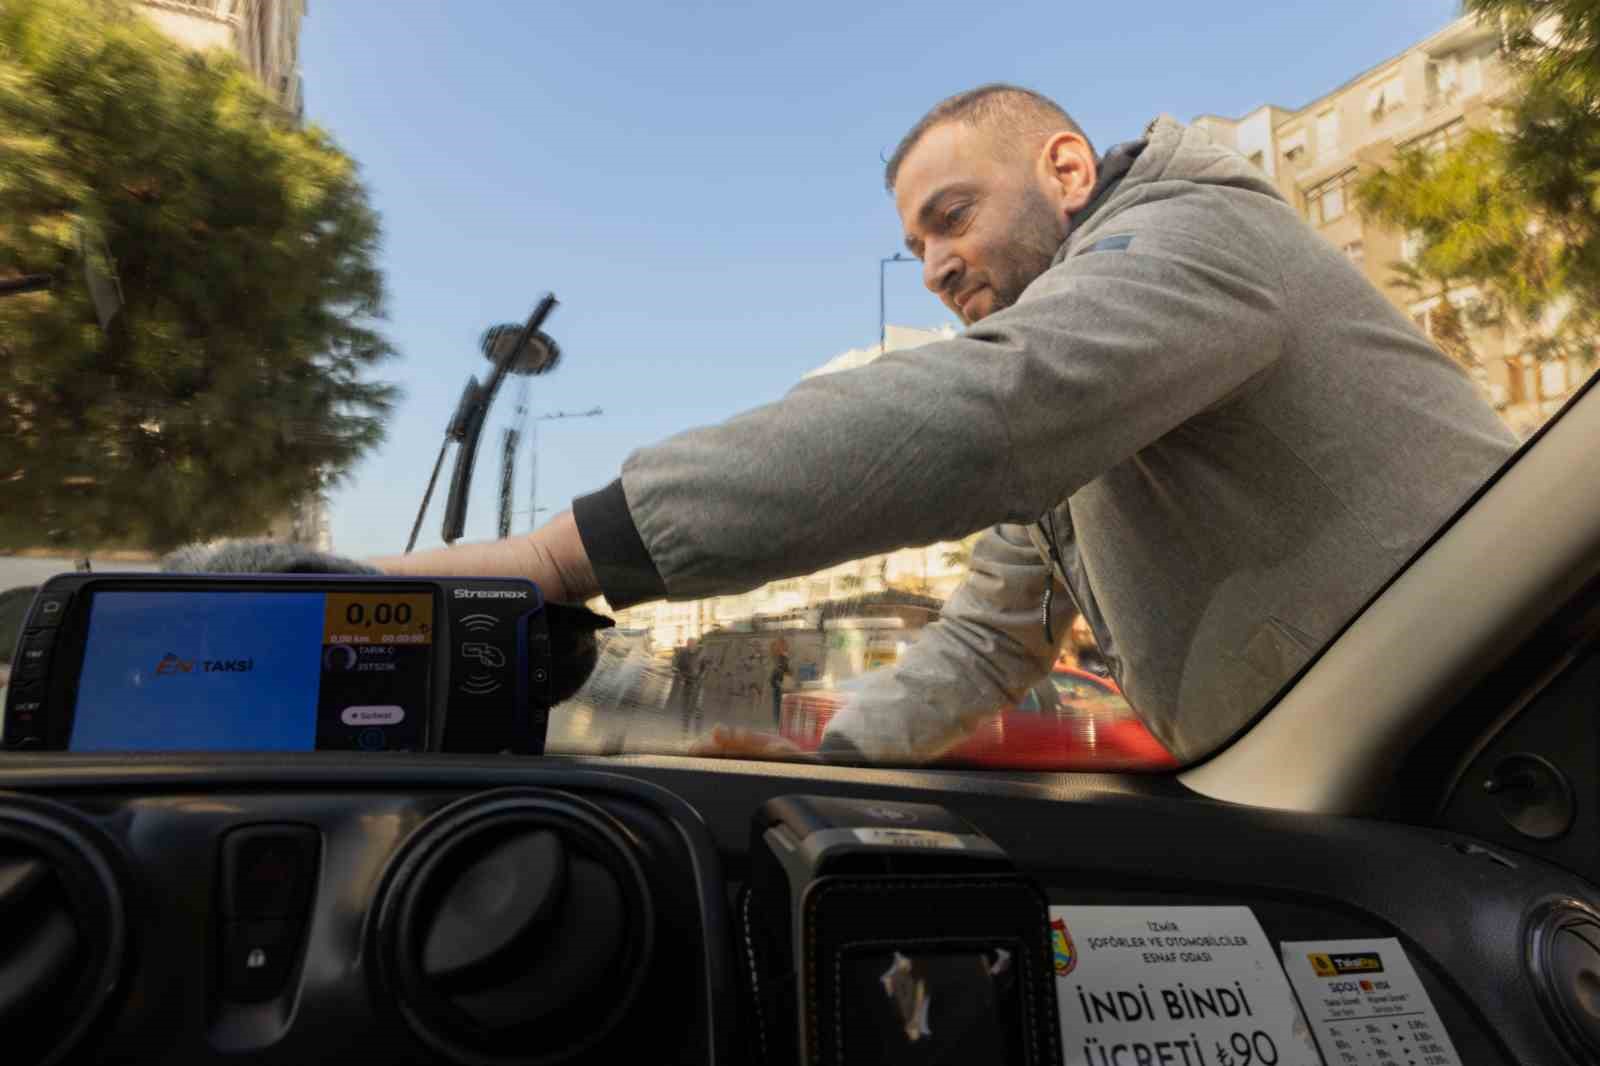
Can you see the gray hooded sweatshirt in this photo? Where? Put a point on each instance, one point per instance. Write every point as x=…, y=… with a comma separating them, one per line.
x=1202, y=424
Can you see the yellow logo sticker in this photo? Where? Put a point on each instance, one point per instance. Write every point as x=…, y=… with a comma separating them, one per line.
x=1325, y=964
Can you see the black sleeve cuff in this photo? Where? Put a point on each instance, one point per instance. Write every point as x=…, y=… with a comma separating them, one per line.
x=621, y=562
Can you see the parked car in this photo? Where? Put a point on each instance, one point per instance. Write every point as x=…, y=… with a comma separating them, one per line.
x=1071, y=720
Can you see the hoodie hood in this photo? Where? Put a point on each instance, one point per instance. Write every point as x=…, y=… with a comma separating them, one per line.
x=1135, y=171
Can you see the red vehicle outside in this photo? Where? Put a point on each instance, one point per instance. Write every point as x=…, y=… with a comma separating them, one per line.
x=1073, y=721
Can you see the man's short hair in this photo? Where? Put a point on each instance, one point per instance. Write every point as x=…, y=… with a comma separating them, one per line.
x=1012, y=114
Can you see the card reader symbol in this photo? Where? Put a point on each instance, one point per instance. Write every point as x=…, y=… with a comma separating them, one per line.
x=487, y=654
x=478, y=623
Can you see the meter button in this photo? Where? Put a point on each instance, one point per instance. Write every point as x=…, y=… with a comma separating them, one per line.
x=25, y=716
x=378, y=714
x=33, y=654
x=48, y=610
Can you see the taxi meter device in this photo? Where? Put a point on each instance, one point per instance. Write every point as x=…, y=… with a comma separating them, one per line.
x=130, y=662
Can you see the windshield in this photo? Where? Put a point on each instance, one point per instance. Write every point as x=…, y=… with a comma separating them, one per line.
x=901, y=403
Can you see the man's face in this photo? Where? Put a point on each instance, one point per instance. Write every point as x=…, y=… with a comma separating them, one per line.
x=981, y=221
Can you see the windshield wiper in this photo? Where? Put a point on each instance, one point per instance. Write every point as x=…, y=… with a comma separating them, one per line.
x=455, y=432
x=472, y=411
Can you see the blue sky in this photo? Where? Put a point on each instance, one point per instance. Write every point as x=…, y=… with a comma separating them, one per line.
x=701, y=186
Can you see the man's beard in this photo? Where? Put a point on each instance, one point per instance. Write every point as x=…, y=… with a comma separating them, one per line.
x=1030, y=252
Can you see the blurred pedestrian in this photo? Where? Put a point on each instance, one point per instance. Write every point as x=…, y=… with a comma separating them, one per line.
x=780, y=671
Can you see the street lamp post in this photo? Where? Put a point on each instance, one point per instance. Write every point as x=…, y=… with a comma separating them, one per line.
x=533, y=503
x=883, y=328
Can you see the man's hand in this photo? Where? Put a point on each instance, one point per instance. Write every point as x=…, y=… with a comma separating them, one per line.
x=552, y=557
x=732, y=743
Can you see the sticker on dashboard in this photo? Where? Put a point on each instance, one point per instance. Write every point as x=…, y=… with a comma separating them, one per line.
x=1367, y=1004
x=1197, y=986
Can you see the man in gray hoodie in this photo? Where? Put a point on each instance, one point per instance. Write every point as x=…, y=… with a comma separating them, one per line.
x=1174, y=407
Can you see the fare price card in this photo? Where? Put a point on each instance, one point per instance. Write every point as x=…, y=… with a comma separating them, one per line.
x=1173, y=986
x=1367, y=1004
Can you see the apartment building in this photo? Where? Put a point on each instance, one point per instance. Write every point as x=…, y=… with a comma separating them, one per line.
x=1426, y=97
x=264, y=34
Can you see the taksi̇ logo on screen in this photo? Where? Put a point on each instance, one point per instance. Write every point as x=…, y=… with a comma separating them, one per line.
x=171, y=665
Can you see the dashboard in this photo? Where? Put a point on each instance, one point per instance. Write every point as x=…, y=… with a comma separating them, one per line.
x=262, y=908
x=304, y=819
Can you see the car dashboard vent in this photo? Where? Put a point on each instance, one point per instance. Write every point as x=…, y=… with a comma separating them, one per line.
x=63, y=931
x=515, y=927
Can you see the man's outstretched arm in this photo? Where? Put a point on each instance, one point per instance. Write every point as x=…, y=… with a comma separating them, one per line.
x=986, y=649
x=553, y=557
x=1103, y=354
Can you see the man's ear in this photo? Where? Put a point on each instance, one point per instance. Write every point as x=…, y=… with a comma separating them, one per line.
x=1067, y=167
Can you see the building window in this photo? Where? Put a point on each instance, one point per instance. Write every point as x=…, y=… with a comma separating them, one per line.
x=1330, y=204
x=1386, y=97
x=1472, y=76
x=1329, y=201
x=1327, y=134
x=1294, y=145
x=1516, y=380
x=1453, y=77
x=1553, y=378
x=1441, y=82
x=1356, y=252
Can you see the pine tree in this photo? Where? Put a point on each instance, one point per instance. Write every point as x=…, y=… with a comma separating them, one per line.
x=234, y=379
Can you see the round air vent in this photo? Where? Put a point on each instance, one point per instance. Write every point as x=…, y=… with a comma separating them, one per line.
x=1564, y=962
x=62, y=928
x=514, y=927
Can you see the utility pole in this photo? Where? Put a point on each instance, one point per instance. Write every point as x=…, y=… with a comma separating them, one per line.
x=883, y=328
x=508, y=463
x=533, y=476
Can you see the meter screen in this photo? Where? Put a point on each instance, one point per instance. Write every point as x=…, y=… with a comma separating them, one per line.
x=255, y=671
